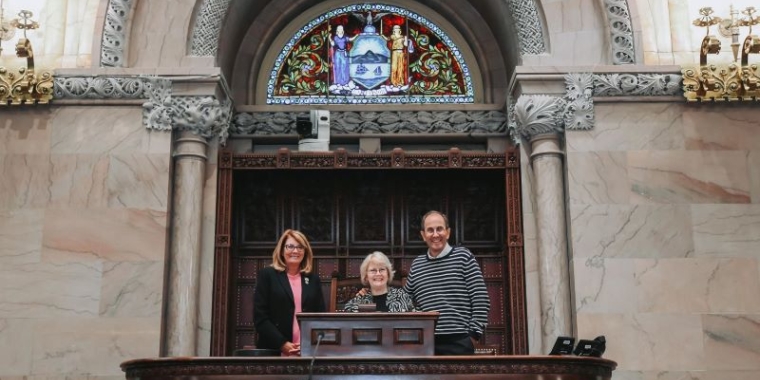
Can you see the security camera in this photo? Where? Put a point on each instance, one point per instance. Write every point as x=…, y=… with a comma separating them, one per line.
x=305, y=128
x=314, y=131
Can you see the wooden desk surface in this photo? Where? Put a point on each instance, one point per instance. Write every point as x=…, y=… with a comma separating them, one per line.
x=427, y=368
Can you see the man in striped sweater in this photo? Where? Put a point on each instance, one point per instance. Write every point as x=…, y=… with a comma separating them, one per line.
x=449, y=280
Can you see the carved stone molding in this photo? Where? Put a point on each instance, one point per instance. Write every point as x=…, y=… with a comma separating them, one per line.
x=203, y=115
x=637, y=84
x=531, y=115
x=101, y=87
x=397, y=159
x=208, y=25
x=621, y=32
x=114, y=33
x=381, y=123
x=530, y=31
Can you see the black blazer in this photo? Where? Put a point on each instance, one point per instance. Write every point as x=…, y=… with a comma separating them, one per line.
x=273, y=305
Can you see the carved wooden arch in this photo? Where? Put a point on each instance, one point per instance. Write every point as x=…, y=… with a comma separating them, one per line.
x=340, y=159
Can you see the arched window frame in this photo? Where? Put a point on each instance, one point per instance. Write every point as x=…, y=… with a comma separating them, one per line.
x=300, y=26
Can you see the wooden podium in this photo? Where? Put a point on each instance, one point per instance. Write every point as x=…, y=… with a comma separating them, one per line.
x=368, y=334
x=398, y=346
x=352, y=368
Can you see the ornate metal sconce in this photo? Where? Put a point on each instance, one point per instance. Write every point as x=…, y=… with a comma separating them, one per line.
x=24, y=86
x=736, y=81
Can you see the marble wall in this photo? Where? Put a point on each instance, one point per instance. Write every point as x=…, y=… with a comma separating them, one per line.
x=576, y=32
x=664, y=202
x=64, y=38
x=670, y=38
x=83, y=226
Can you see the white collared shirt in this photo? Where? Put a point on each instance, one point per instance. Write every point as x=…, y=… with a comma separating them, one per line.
x=443, y=253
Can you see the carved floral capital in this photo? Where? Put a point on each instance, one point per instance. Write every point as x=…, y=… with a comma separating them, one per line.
x=537, y=115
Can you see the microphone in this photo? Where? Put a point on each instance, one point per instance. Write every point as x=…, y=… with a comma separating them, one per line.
x=320, y=335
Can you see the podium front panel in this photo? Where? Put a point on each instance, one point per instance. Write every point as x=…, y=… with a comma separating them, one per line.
x=373, y=334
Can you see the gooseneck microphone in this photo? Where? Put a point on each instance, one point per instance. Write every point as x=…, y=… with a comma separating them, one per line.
x=320, y=335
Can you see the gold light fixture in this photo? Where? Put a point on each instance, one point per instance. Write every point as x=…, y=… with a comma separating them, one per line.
x=24, y=86
x=736, y=81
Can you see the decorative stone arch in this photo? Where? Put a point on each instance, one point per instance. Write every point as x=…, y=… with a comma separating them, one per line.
x=620, y=28
x=210, y=15
x=113, y=42
x=207, y=26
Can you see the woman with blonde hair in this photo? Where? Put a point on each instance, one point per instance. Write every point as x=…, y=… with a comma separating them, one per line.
x=288, y=286
x=377, y=273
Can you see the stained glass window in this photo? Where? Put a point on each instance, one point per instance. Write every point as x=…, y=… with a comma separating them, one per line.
x=370, y=54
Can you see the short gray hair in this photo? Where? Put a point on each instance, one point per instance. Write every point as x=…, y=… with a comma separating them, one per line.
x=380, y=257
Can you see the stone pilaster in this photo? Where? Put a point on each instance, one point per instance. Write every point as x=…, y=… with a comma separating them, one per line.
x=181, y=313
x=195, y=120
x=539, y=121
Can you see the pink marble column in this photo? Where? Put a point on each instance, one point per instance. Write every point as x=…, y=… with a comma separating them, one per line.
x=181, y=313
x=551, y=232
x=540, y=127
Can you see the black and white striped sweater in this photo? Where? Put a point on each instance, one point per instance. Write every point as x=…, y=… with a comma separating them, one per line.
x=452, y=285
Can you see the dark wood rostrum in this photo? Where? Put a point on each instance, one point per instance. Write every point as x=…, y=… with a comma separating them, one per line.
x=350, y=204
x=367, y=334
x=398, y=368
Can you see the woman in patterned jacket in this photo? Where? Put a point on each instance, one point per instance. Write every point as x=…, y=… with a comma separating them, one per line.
x=377, y=273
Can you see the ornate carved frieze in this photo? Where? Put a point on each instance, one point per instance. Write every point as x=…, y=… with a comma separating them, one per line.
x=397, y=159
x=386, y=122
x=102, y=88
x=203, y=115
x=536, y=114
x=114, y=33
x=265, y=123
x=530, y=32
x=208, y=24
x=637, y=84
x=621, y=32
x=548, y=368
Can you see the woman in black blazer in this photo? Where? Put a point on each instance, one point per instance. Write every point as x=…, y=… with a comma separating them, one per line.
x=278, y=287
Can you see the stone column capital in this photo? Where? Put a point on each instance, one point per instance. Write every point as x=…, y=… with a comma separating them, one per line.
x=204, y=115
x=536, y=115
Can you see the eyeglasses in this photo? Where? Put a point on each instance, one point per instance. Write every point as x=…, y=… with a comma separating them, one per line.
x=376, y=271
x=430, y=230
x=291, y=247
